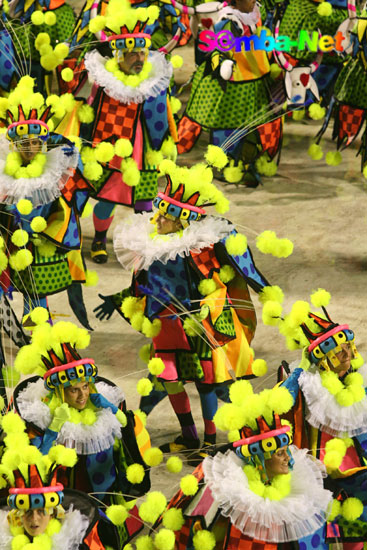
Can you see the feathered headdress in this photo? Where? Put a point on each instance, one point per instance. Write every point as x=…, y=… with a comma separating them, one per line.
x=53, y=355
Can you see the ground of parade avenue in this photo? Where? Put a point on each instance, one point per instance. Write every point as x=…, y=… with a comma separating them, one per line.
x=322, y=209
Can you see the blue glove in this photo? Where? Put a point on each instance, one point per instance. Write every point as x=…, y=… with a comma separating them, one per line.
x=104, y=310
x=102, y=403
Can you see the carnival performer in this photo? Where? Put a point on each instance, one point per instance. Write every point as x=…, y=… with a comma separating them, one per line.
x=39, y=512
x=42, y=195
x=71, y=406
x=315, y=16
x=130, y=100
x=259, y=490
x=330, y=407
x=189, y=292
x=231, y=99
x=348, y=105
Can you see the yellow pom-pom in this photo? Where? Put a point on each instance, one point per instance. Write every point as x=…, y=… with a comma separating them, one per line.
x=325, y=9
x=204, y=540
x=233, y=435
x=175, y=107
x=320, y=298
x=53, y=527
x=62, y=50
x=345, y=398
x=229, y=417
x=130, y=172
x=259, y=367
x=239, y=391
x=266, y=167
x=19, y=542
x=272, y=294
x=174, y=464
x=176, y=61
x=104, y=152
x=156, y=366
x=50, y=18
x=123, y=148
x=23, y=259
x=145, y=352
x=315, y=151
x=280, y=400
x=85, y=114
x=67, y=75
x=144, y=543
x=334, y=509
x=97, y=24
x=12, y=423
x=19, y=237
x=24, y=206
x=332, y=460
x=88, y=154
x=144, y=386
x=63, y=456
x=46, y=249
x=233, y=173
x=268, y=243
x=299, y=312
x=153, y=456
x=215, y=156
x=352, y=509
x=38, y=224
x=173, y=519
x=37, y=18
x=316, y=112
x=357, y=362
x=49, y=61
x=117, y=514
x=164, y=539
x=135, y=473
x=3, y=261
x=151, y=329
x=271, y=313
x=207, y=286
x=189, y=485
x=298, y=115
x=333, y=158
x=39, y=315
x=93, y=171
x=91, y=278
x=226, y=274
x=236, y=245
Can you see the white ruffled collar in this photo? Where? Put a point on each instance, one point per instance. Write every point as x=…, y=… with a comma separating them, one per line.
x=297, y=515
x=81, y=437
x=70, y=536
x=46, y=188
x=324, y=412
x=150, y=87
x=135, y=248
x=247, y=19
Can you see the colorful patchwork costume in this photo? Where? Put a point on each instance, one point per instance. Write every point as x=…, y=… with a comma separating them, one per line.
x=134, y=107
x=189, y=292
x=105, y=438
x=231, y=97
x=330, y=415
x=245, y=500
x=42, y=239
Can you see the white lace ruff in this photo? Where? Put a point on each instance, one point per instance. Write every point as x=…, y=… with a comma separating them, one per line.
x=46, y=188
x=325, y=413
x=135, y=249
x=83, y=438
x=152, y=86
x=70, y=536
x=297, y=515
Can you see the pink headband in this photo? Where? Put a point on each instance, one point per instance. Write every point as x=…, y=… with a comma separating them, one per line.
x=30, y=121
x=68, y=366
x=260, y=437
x=327, y=335
x=129, y=35
x=181, y=204
x=36, y=490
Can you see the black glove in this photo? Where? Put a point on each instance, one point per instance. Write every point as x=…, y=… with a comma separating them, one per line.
x=105, y=309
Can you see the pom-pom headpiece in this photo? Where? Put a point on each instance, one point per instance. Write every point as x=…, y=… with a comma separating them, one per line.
x=172, y=203
x=22, y=127
x=326, y=343
x=63, y=374
x=34, y=493
x=263, y=441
